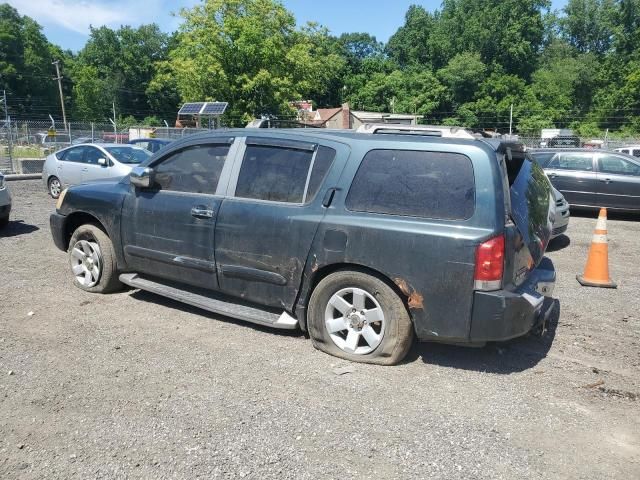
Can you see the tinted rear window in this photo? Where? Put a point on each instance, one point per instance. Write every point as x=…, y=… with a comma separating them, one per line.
x=414, y=183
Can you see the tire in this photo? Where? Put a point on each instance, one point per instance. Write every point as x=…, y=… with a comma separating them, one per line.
x=89, y=248
x=4, y=221
x=393, y=333
x=55, y=187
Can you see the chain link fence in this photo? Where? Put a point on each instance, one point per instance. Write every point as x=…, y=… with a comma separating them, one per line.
x=24, y=145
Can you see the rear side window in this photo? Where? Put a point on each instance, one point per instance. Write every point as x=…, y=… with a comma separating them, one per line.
x=573, y=161
x=282, y=174
x=195, y=169
x=414, y=183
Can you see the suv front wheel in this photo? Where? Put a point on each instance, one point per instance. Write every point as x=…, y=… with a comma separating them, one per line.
x=358, y=317
x=93, y=260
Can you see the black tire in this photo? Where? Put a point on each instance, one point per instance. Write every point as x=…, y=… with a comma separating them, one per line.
x=4, y=221
x=398, y=333
x=108, y=278
x=54, y=192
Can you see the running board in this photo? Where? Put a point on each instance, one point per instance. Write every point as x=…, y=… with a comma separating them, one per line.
x=212, y=302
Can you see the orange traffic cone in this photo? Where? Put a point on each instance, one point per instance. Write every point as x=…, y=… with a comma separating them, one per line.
x=596, y=272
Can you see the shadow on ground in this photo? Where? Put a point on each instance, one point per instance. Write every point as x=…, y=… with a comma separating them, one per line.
x=145, y=296
x=16, y=228
x=502, y=358
x=558, y=243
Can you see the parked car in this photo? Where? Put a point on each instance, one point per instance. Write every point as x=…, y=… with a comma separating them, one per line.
x=5, y=202
x=564, y=141
x=561, y=221
x=593, y=178
x=88, y=162
x=361, y=240
x=633, y=150
x=79, y=140
x=151, y=144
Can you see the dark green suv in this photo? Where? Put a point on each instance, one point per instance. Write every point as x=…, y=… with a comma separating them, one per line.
x=363, y=241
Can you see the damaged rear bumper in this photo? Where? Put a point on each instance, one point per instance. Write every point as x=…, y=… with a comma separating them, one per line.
x=504, y=314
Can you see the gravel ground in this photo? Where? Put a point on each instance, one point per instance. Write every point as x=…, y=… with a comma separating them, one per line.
x=132, y=385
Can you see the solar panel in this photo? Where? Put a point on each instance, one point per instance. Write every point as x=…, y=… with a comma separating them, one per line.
x=191, y=108
x=214, y=108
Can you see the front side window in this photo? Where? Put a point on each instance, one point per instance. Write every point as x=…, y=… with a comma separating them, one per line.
x=414, y=183
x=573, y=161
x=274, y=173
x=617, y=166
x=93, y=155
x=195, y=169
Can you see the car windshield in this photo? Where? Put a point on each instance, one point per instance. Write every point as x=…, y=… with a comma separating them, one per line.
x=128, y=154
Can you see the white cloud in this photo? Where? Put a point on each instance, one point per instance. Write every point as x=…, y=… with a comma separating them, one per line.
x=78, y=15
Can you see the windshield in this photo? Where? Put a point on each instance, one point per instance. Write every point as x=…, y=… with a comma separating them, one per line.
x=128, y=154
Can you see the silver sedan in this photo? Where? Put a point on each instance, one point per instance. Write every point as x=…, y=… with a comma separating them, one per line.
x=89, y=162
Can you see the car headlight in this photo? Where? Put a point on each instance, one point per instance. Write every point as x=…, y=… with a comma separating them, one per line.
x=61, y=199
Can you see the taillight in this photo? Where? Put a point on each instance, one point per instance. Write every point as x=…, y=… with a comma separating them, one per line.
x=489, y=264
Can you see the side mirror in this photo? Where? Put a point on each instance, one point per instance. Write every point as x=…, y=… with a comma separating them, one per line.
x=141, y=177
x=103, y=162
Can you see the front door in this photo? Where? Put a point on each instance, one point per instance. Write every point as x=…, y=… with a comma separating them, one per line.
x=264, y=232
x=618, y=182
x=168, y=230
x=92, y=170
x=573, y=173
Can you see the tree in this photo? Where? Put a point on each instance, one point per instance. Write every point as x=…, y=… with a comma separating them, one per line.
x=26, y=72
x=249, y=53
x=119, y=63
x=588, y=25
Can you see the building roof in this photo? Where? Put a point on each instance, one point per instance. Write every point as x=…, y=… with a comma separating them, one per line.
x=325, y=114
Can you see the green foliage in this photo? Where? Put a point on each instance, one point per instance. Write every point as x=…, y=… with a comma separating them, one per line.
x=120, y=63
x=466, y=63
x=249, y=53
x=26, y=71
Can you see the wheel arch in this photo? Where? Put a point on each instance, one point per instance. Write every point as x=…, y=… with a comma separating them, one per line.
x=75, y=220
x=322, y=272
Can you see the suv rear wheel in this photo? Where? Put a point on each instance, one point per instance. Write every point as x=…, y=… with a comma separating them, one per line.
x=93, y=261
x=358, y=317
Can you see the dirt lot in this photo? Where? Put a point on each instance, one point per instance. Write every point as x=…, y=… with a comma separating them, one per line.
x=135, y=386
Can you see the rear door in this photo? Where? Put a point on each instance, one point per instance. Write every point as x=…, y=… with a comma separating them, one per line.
x=574, y=174
x=618, y=182
x=168, y=230
x=265, y=230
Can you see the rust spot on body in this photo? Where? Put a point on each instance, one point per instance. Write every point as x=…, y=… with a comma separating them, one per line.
x=414, y=299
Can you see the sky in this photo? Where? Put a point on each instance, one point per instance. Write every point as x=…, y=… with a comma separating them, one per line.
x=66, y=22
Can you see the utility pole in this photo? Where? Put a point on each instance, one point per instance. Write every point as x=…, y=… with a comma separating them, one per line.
x=59, y=79
x=510, y=119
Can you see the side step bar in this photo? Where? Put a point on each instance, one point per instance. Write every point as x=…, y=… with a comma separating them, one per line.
x=212, y=302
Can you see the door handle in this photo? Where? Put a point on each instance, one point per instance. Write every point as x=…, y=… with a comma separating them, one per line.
x=553, y=175
x=85, y=169
x=201, y=211
x=605, y=180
